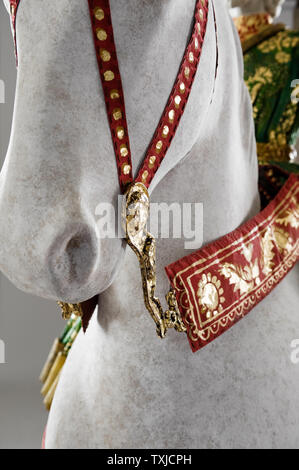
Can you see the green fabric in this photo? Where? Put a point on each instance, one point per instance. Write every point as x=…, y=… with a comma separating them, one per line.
x=289, y=167
x=269, y=69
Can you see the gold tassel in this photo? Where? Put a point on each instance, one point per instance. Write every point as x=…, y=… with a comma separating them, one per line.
x=56, y=348
x=50, y=395
x=54, y=372
x=52, y=369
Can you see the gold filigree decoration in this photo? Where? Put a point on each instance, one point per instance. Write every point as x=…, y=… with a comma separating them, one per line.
x=267, y=247
x=250, y=25
x=246, y=303
x=210, y=296
x=276, y=237
x=270, y=76
x=278, y=137
x=273, y=151
x=262, y=76
x=244, y=278
x=276, y=252
x=282, y=239
x=278, y=42
x=289, y=217
x=283, y=57
x=135, y=216
x=70, y=309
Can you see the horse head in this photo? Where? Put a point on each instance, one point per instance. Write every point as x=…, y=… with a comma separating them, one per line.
x=60, y=162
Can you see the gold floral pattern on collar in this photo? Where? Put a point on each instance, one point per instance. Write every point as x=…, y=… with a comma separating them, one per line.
x=224, y=281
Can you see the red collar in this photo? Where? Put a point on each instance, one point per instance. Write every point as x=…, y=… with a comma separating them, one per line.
x=13, y=13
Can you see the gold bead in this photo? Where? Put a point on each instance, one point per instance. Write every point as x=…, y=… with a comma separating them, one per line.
x=114, y=94
x=117, y=114
x=152, y=161
x=124, y=150
x=177, y=101
x=191, y=57
x=187, y=72
x=120, y=133
x=101, y=34
x=109, y=76
x=171, y=115
x=99, y=14
x=105, y=55
x=159, y=146
x=182, y=88
x=144, y=176
x=126, y=169
x=165, y=131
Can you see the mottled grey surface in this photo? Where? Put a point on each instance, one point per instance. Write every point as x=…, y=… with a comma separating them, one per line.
x=28, y=324
x=122, y=386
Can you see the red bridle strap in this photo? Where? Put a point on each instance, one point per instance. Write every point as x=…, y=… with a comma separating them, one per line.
x=13, y=13
x=102, y=28
x=114, y=98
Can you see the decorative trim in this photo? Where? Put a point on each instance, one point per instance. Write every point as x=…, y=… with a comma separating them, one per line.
x=271, y=151
x=190, y=62
x=249, y=25
x=14, y=4
x=105, y=48
x=266, y=33
x=222, y=282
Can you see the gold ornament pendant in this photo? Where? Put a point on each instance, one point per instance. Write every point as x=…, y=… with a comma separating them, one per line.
x=68, y=310
x=136, y=213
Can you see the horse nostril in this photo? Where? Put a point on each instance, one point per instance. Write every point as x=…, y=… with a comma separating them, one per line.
x=72, y=258
x=79, y=253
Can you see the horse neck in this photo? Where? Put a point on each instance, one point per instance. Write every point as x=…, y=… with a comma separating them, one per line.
x=220, y=172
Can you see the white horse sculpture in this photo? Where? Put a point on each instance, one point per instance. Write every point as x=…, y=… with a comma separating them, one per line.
x=122, y=387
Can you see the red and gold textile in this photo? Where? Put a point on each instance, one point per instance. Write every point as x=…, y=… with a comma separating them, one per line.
x=249, y=25
x=219, y=284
